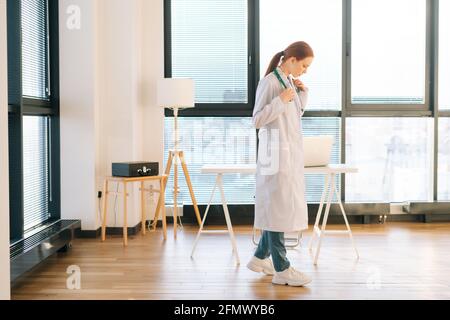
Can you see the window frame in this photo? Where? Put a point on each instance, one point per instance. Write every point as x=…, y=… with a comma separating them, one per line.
x=19, y=106
x=389, y=109
x=219, y=109
x=430, y=107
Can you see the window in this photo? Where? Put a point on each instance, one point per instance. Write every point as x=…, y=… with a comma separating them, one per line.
x=213, y=141
x=33, y=107
x=444, y=55
x=35, y=49
x=35, y=71
x=388, y=52
x=385, y=70
x=322, y=127
x=394, y=157
x=319, y=23
x=35, y=170
x=210, y=45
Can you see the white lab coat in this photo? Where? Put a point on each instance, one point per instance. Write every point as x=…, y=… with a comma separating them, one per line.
x=280, y=203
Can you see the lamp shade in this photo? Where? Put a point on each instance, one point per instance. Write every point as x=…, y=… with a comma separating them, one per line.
x=176, y=93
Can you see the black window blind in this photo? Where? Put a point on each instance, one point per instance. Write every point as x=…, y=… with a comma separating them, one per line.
x=35, y=85
x=35, y=82
x=35, y=170
x=210, y=45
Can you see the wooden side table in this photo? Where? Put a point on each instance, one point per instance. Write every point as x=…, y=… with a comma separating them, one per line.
x=125, y=181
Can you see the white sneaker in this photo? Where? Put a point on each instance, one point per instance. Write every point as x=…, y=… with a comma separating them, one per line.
x=259, y=265
x=291, y=277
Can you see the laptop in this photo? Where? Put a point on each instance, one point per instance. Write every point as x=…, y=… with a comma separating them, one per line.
x=317, y=150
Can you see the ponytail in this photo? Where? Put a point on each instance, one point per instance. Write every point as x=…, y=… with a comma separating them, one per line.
x=300, y=50
x=274, y=62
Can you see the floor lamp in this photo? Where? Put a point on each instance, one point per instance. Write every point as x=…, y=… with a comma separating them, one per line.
x=177, y=94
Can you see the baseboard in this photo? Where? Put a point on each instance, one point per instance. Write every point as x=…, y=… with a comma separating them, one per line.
x=170, y=221
x=86, y=234
x=114, y=231
x=110, y=231
x=241, y=214
x=356, y=214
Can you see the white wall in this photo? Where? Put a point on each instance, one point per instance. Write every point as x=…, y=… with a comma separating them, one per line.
x=120, y=120
x=109, y=70
x=79, y=100
x=4, y=177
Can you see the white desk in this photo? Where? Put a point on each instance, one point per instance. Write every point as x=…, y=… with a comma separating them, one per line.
x=331, y=172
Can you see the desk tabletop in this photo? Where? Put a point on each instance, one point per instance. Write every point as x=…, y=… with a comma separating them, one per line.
x=251, y=169
x=229, y=168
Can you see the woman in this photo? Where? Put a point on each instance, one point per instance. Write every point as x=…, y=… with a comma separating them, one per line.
x=280, y=204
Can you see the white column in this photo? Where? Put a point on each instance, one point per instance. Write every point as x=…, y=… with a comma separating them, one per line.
x=4, y=176
x=79, y=105
x=152, y=39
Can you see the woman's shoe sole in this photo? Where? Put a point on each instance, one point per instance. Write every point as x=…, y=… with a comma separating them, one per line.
x=284, y=283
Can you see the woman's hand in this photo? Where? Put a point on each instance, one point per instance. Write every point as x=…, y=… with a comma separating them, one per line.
x=287, y=95
x=299, y=84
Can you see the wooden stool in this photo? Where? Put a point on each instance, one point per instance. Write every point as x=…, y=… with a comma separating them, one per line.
x=125, y=181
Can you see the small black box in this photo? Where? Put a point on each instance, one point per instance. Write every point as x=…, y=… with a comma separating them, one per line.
x=135, y=169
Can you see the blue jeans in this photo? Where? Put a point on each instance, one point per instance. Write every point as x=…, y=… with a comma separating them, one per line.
x=272, y=243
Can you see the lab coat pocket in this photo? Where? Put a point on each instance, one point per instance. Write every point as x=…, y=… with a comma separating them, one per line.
x=269, y=153
x=284, y=158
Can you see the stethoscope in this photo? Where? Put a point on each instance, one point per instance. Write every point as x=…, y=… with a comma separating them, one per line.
x=277, y=74
x=280, y=79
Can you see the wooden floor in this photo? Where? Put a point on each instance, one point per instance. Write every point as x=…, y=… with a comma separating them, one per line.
x=398, y=261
